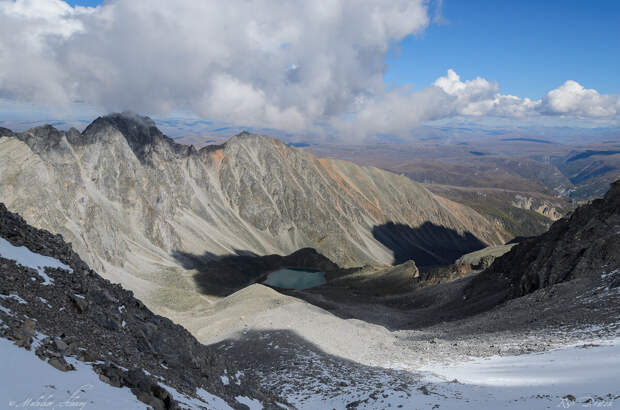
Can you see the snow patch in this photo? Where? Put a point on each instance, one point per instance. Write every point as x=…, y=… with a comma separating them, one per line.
x=44, y=301
x=26, y=381
x=205, y=400
x=15, y=297
x=253, y=404
x=586, y=372
x=6, y=310
x=238, y=375
x=29, y=259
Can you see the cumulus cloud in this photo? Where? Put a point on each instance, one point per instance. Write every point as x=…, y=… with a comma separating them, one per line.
x=296, y=66
x=571, y=98
x=479, y=97
x=400, y=110
x=260, y=63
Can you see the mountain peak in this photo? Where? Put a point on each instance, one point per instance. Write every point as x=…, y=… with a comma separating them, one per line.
x=244, y=135
x=249, y=137
x=5, y=132
x=136, y=128
x=141, y=133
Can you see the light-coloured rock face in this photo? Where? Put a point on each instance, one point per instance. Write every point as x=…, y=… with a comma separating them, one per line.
x=134, y=204
x=482, y=259
x=545, y=208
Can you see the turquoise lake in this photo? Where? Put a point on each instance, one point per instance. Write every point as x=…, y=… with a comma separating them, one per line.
x=295, y=279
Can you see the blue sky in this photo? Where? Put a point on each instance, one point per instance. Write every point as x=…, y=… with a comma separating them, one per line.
x=487, y=61
x=85, y=3
x=528, y=47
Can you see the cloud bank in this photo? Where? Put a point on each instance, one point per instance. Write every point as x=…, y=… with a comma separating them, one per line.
x=299, y=66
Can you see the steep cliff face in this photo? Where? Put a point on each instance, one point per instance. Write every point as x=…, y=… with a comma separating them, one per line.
x=131, y=199
x=585, y=245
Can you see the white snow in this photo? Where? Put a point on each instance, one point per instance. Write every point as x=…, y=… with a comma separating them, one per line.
x=206, y=400
x=589, y=373
x=253, y=404
x=534, y=380
x=28, y=382
x=225, y=380
x=6, y=310
x=15, y=297
x=577, y=364
x=44, y=301
x=238, y=375
x=26, y=257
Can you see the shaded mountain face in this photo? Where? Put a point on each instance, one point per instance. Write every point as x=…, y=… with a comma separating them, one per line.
x=585, y=245
x=129, y=198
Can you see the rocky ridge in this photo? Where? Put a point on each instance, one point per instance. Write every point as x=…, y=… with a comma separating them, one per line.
x=131, y=200
x=81, y=315
x=584, y=245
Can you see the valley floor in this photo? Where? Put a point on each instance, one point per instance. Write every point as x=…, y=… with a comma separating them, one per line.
x=578, y=376
x=531, y=352
x=581, y=374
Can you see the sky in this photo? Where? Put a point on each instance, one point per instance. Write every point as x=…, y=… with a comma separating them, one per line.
x=528, y=47
x=345, y=69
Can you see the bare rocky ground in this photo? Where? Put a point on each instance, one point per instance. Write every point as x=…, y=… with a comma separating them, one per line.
x=573, y=313
x=327, y=347
x=345, y=344
x=572, y=297
x=360, y=341
x=69, y=312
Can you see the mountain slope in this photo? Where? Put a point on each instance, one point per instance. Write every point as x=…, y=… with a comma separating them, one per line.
x=584, y=246
x=53, y=304
x=130, y=199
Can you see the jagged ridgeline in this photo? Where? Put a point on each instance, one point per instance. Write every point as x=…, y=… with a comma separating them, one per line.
x=144, y=210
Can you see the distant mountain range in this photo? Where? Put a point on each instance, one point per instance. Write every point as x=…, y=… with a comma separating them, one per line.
x=146, y=211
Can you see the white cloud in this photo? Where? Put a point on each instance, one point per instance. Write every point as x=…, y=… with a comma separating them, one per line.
x=260, y=63
x=571, y=98
x=399, y=111
x=479, y=97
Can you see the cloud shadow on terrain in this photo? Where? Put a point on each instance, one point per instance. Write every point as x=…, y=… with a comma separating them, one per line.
x=283, y=353
x=426, y=245
x=221, y=275
x=295, y=366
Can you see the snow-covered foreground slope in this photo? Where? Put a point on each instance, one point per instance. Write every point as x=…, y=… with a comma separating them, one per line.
x=27, y=381
x=571, y=377
x=588, y=373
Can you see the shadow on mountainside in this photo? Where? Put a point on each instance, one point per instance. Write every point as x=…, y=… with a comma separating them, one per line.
x=223, y=275
x=295, y=366
x=426, y=245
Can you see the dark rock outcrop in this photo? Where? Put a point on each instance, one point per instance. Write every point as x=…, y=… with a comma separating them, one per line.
x=585, y=245
x=5, y=132
x=225, y=275
x=84, y=316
